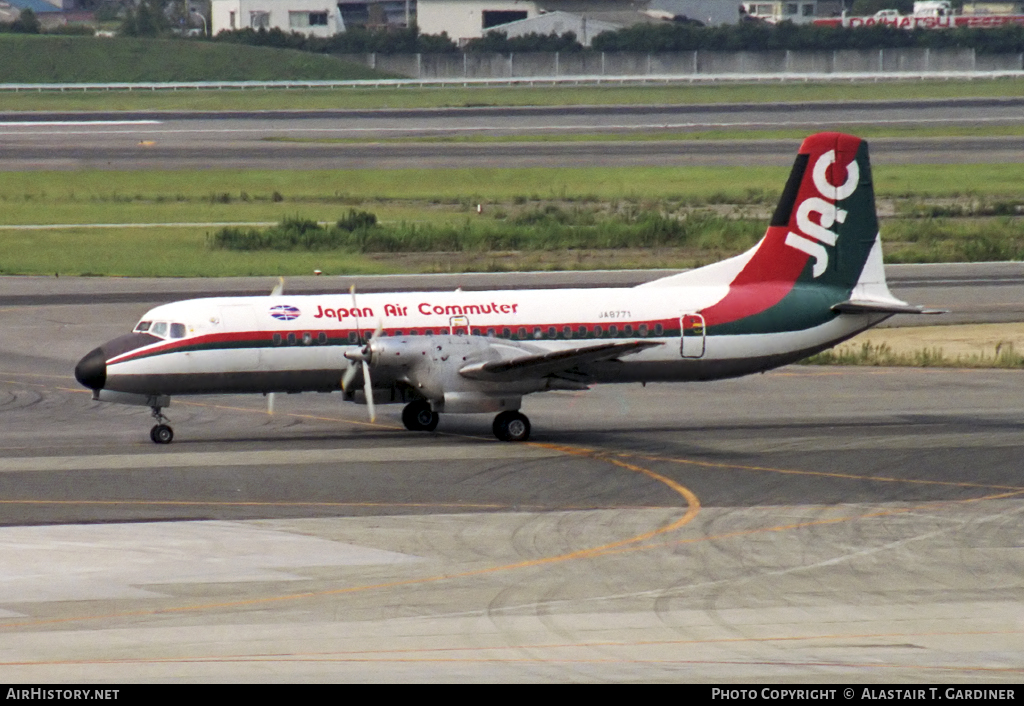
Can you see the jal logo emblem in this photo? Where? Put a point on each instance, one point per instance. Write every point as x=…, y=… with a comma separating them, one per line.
x=813, y=237
x=284, y=312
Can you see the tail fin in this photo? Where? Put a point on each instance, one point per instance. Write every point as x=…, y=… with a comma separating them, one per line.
x=821, y=244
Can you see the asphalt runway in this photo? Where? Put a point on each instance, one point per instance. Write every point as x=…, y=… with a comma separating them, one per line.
x=301, y=139
x=809, y=524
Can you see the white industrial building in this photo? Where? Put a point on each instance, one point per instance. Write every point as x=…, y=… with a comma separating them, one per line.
x=318, y=18
x=471, y=19
x=558, y=23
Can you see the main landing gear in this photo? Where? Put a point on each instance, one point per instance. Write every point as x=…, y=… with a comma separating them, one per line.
x=508, y=426
x=511, y=426
x=417, y=416
x=161, y=433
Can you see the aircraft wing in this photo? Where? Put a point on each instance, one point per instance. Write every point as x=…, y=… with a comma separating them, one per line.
x=541, y=364
x=868, y=306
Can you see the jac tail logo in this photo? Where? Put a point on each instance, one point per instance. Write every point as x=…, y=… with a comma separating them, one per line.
x=825, y=207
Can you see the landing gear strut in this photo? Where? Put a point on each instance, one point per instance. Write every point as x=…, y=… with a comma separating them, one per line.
x=161, y=433
x=511, y=426
x=418, y=416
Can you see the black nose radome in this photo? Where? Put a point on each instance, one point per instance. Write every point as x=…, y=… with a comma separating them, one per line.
x=91, y=370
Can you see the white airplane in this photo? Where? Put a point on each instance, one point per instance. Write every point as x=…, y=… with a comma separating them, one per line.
x=814, y=280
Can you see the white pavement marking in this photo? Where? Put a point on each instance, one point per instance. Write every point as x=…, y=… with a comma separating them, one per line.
x=94, y=562
x=76, y=123
x=590, y=127
x=488, y=451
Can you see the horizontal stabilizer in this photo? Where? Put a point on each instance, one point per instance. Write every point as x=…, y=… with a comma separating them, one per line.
x=540, y=365
x=867, y=306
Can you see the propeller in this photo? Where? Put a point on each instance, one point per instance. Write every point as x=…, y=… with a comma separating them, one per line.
x=277, y=291
x=361, y=355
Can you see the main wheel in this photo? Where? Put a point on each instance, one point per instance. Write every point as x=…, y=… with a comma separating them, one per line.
x=511, y=426
x=417, y=416
x=161, y=434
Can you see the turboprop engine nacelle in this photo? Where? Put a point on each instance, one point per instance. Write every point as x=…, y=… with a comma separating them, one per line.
x=431, y=365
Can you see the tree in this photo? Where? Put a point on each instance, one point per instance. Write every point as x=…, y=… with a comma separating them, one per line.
x=148, y=20
x=27, y=23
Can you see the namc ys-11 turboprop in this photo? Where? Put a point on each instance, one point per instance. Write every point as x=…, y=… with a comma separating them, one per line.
x=814, y=280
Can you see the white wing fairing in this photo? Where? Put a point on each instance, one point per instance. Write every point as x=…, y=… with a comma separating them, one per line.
x=468, y=352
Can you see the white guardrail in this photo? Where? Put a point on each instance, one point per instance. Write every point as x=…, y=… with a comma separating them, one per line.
x=513, y=81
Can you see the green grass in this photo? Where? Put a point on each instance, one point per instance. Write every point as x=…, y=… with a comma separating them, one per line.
x=696, y=135
x=553, y=218
x=55, y=59
x=370, y=98
x=201, y=193
x=1003, y=356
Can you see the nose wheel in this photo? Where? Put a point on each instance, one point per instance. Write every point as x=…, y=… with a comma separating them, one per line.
x=161, y=433
x=511, y=426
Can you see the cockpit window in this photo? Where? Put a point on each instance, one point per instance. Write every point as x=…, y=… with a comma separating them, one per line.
x=177, y=330
x=143, y=326
x=159, y=329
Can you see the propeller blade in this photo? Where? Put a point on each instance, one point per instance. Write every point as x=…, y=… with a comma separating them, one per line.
x=278, y=288
x=355, y=312
x=349, y=376
x=368, y=388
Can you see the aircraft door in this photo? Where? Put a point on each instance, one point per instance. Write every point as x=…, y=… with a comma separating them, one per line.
x=692, y=336
x=460, y=325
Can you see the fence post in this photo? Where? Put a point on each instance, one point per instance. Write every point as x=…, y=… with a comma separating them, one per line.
x=602, y=64
x=419, y=65
x=556, y=63
x=510, y=55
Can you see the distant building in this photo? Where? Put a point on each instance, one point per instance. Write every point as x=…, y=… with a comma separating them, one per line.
x=707, y=12
x=316, y=18
x=558, y=23
x=993, y=8
x=470, y=19
x=775, y=11
x=40, y=7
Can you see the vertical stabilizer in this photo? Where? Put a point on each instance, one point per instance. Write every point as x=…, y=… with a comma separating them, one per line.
x=815, y=250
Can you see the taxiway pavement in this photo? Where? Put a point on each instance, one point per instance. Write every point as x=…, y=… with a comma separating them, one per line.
x=809, y=524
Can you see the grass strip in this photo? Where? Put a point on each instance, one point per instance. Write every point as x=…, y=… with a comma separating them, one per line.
x=1003, y=355
x=696, y=135
x=478, y=96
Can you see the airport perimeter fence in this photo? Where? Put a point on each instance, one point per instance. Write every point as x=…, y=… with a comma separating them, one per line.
x=473, y=65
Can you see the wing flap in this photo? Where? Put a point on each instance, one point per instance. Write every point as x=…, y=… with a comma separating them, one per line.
x=541, y=364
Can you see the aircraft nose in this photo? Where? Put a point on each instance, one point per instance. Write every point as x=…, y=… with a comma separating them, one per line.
x=91, y=370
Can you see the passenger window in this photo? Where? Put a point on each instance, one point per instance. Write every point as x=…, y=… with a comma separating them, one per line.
x=307, y=338
x=567, y=331
x=321, y=337
x=658, y=329
x=177, y=330
x=277, y=339
x=159, y=329
x=291, y=339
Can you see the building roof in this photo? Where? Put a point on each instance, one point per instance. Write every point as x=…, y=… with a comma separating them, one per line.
x=37, y=6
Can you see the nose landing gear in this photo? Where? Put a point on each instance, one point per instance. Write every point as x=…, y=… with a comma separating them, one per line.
x=161, y=433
